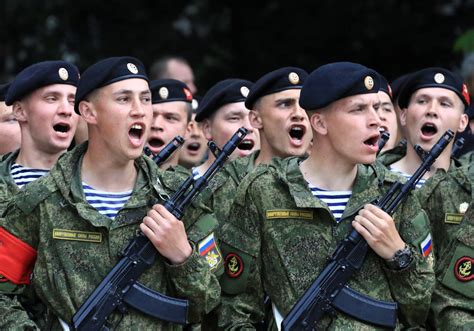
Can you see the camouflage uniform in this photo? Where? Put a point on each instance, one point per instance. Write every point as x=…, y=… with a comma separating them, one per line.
x=8, y=187
x=445, y=197
x=52, y=208
x=279, y=236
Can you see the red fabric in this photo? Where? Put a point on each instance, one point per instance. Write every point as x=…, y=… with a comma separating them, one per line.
x=17, y=258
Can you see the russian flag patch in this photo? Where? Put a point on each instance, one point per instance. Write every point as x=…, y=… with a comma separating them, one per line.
x=209, y=250
x=426, y=245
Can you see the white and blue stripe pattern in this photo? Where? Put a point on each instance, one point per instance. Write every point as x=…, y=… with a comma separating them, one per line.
x=336, y=200
x=106, y=203
x=420, y=183
x=23, y=175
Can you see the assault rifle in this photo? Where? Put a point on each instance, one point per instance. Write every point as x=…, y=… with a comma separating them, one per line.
x=384, y=137
x=166, y=152
x=121, y=287
x=329, y=291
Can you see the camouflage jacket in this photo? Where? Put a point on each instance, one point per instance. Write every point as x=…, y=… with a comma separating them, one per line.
x=445, y=197
x=8, y=187
x=450, y=194
x=279, y=236
x=76, y=247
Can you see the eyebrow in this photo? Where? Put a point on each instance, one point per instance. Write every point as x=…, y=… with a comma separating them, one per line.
x=125, y=91
x=291, y=100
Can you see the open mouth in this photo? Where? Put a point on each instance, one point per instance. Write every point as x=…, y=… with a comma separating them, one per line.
x=62, y=127
x=136, y=132
x=429, y=129
x=297, y=132
x=246, y=145
x=372, y=141
x=156, y=142
x=194, y=147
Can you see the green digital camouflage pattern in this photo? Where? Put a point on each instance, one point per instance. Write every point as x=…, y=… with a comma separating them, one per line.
x=283, y=236
x=445, y=197
x=67, y=271
x=393, y=155
x=7, y=185
x=211, y=208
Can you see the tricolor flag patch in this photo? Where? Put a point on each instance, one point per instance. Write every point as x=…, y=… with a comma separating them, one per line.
x=209, y=250
x=426, y=245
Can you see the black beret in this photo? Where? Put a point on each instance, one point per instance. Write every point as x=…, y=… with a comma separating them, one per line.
x=3, y=91
x=470, y=112
x=335, y=81
x=385, y=86
x=282, y=79
x=224, y=92
x=168, y=90
x=397, y=85
x=106, y=72
x=39, y=75
x=433, y=77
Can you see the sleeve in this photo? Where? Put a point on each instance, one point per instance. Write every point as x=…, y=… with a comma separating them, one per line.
x=194, y=281
x=412, y=287
x=17, y=259
x=242, y=302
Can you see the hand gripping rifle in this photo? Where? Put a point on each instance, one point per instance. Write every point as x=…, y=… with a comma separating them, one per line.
x=329, y=291
x=121, y=287
x=166, y=152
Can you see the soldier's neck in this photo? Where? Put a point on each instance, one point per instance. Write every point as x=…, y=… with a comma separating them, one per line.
x=411, y=161
x=32, y=157
x=107, y=172
x=203, y=167
x=325, y=172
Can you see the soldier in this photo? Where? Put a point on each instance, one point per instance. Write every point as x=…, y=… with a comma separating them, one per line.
x=387, y=114
x=172, y=112
x=288, y=217
x=434, y=100
x=72, y=225
x=221, y=113
x=194, y=150
x=10, y=136
x=42, y=99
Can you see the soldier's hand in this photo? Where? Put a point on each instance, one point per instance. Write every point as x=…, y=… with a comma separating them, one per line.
x=378, y=229
x=167, y=234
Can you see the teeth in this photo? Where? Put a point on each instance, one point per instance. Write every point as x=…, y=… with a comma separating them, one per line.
x=137, y=126
x=382, y=130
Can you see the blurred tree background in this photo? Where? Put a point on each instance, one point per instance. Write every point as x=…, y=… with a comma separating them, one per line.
x=223, y=39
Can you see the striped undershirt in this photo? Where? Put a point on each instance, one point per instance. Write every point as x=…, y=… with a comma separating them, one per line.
x=420, y=183
x=23, y=175
x=336, y=200
x=106, y=203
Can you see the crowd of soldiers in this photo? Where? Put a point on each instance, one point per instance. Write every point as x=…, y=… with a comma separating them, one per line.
x=78, y=181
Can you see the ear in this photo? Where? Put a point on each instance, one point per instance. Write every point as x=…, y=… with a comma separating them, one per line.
x=463, y=122
x=207, y=128
x=403, y=116
x=19, y=111
x=318, y=123
x=255, y=119
x=88, y=112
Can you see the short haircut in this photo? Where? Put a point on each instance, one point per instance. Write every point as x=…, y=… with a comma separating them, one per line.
x=159, y=68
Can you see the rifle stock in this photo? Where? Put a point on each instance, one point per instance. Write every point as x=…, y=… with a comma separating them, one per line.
x=329, y=291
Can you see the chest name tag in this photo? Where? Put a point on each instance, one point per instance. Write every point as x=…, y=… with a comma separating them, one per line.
x=92, y=237
x=289, y=213
x=451, y=218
